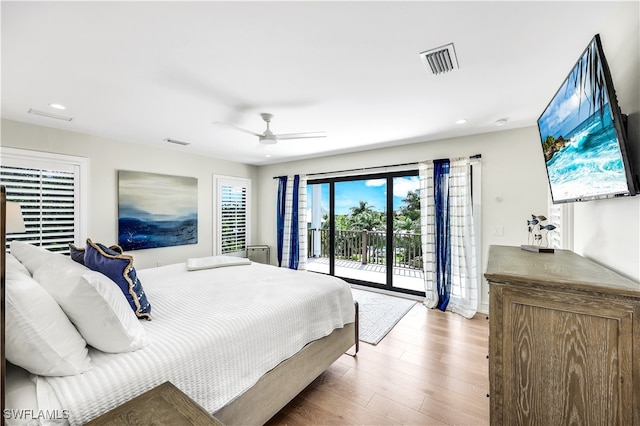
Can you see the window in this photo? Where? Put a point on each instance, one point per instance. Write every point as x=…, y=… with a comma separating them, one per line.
x=366, y=230
x=49, y=188
x=561, y=216
x=232, y=207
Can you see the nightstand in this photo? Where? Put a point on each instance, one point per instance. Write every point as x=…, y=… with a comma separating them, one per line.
x=162, y=405
x=260, y=254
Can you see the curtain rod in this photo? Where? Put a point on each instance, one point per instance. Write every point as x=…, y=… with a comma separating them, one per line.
x=473, y=157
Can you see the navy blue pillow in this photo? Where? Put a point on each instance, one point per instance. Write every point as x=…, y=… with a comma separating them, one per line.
x=77, y=253
x=119, y=267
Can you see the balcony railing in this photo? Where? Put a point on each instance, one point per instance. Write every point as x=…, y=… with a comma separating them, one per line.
x=368, y=247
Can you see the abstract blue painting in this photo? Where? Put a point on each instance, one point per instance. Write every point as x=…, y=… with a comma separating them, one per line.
x=156, y=210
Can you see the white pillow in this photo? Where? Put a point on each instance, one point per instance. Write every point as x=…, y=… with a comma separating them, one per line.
x=198, y=263
x=29, y=255
x=14, y=265
x=19, y=394
x=94, y=304
x=39, y=336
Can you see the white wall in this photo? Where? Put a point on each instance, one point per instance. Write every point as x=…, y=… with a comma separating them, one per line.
x=608, y=231
x=514, y=183
x=106, y=157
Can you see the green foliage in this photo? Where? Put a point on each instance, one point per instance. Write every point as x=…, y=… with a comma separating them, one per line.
x=407, y=218
x=350, y=233
x=587, y=80
x=365, y=217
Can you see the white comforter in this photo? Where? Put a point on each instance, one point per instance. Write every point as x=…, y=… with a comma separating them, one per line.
x=214, y=333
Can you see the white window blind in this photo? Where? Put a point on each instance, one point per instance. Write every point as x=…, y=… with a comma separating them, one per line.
x=232, y=204
x=561, y=216
x=48, y=190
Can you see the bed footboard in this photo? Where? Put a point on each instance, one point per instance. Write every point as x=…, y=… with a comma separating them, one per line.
x=275, y=389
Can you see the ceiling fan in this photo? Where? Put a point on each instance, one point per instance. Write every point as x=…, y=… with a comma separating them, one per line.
x=268, y=137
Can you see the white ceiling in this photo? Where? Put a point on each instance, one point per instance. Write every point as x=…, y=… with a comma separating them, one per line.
x=144, y=71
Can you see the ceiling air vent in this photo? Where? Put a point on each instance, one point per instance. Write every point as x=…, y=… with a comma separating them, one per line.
x=49, y=114
x=169, y=140
x=440, y=60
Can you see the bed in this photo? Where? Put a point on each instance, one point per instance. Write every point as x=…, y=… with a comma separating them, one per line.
x=241, y=340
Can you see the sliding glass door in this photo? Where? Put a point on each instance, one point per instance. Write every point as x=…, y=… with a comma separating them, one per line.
x=360, y=243
x=318, y=243
x=366, y=229
x=407, y=243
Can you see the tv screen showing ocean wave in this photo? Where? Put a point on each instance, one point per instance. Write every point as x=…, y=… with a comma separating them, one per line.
x=581, y=144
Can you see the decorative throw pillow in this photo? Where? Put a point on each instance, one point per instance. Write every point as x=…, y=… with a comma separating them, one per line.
x=29, y=255
x=77, y=253
x=94, y=304
x=119, y=267
x=39, y=336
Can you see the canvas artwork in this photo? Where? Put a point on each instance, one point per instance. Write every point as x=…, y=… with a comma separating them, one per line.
x=156, y=210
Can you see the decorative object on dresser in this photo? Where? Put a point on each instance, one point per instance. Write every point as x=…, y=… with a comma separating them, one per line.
x=564, y=341
x=537, y=241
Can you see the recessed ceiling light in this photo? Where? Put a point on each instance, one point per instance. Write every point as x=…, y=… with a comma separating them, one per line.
x=501, y=121
x=268, y=155
x=461, y=121
x=57, y=106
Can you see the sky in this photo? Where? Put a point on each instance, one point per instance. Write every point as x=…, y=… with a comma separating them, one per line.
x=373, y=191
x=569, y=107
x=158, y=194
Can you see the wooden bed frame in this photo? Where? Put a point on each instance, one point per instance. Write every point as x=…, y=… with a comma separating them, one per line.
x=3, y=255
x=256, y=406
x=279, y=386
x=269, y=395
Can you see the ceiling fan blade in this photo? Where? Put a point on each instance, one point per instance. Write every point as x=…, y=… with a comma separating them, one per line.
x=305, y=135
x=220, y=123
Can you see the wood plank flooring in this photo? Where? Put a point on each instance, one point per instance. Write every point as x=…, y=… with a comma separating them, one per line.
x=431, y=369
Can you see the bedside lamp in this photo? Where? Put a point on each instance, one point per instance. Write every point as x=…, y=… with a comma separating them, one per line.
x=14, y=221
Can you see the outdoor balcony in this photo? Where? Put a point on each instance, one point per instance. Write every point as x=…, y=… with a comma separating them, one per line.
x=361, y=255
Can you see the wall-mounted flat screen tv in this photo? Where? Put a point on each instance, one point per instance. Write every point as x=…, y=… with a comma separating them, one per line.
x=583, y=134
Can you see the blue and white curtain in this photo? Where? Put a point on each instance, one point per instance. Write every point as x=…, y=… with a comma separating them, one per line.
x=292, y=222
x=448, y=240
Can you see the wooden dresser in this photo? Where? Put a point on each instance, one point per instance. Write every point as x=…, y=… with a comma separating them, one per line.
x=564, y=343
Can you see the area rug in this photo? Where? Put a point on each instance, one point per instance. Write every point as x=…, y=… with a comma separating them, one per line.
x=379, y=313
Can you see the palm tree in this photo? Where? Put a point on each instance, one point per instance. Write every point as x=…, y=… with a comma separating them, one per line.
x=588, y=77
x=362, y=207
x=411, y=209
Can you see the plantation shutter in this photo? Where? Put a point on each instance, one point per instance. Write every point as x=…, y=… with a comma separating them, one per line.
x=561, y=216
x=233, y=195
x=48, y=193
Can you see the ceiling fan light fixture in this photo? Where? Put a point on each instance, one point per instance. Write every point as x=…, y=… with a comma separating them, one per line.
x=268, y=139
